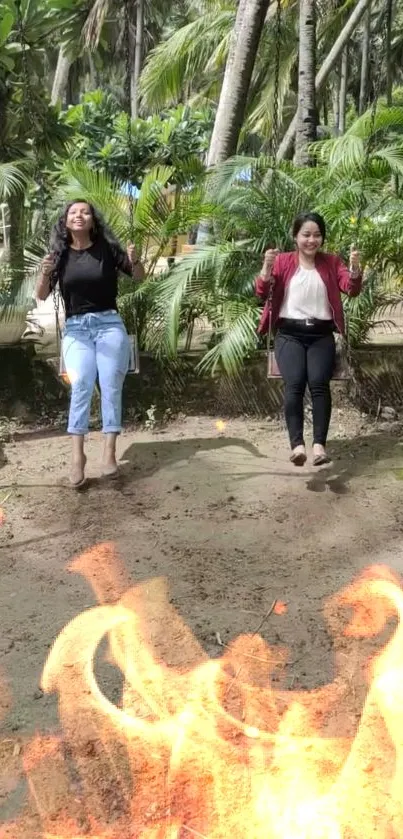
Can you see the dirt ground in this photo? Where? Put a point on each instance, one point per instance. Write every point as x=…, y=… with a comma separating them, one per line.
x=221, y=515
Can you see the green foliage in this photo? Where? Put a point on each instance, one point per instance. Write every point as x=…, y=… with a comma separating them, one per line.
x=250, y=212
x=173, y=138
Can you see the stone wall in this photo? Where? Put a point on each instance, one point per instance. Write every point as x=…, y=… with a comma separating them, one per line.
x=31, y=390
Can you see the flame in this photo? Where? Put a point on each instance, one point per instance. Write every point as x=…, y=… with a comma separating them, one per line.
x=207, y=747
x=220, y=425
x=280, y=608
x=2, y=513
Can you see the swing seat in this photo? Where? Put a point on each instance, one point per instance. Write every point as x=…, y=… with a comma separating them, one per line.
x=134, y=362
x=342, y=369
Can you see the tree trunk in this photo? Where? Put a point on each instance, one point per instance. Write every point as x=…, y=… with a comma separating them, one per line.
x=343, y=90
x=366, y=42
x=61, y=78
x=137, y=58
x=242, y=51
x=389, y=66
x=327, y=66
x=16, y=239
x=336, y=102
x=243, y=46
x=307, y=118
x=325, y=107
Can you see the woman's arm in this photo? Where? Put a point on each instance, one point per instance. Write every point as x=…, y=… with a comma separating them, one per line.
x=349, y=280
x=42, y=289
x=270, y=272
x=130, y=264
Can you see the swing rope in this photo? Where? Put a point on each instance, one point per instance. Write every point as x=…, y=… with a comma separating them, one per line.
x=274, y=142
x=135, y=356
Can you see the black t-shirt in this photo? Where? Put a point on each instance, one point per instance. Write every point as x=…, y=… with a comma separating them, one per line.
x=88, y=279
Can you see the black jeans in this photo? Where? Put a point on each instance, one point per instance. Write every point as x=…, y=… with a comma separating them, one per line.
x=306, y=356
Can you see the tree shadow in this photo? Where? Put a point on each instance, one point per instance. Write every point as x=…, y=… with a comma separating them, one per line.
x=150, y=457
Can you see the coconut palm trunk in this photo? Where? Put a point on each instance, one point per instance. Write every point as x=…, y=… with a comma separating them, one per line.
x=327, y=66
x=238, y=73
x=343, y=90
x=245, y=39
x=138, y=58
x=389, y=65
x=61, y=78
x=307, y=117
x=366, y=41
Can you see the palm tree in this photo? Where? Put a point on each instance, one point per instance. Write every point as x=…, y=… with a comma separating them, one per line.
x=138, y=58
x=242, y=53
x=90, y=26
x=365, y=50
x=343, y=89
x=30, y=134
x=306, y=122
x=327, y=66
x=389, y=65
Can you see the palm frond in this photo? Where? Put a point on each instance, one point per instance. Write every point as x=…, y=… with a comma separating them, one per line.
x=181, y=59
x=14, y=177
x=235, y=337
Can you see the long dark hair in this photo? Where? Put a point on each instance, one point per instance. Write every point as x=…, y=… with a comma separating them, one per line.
x=60, y=238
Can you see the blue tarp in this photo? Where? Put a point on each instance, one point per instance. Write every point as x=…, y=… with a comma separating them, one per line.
x=126, y=190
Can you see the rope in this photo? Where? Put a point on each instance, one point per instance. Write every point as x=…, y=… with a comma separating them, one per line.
x=274, y=143
x=135, y=362
x=127, y=23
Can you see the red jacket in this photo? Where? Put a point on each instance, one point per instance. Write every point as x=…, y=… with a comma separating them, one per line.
x=334, y=274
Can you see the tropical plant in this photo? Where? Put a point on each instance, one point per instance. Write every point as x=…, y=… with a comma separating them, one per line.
x=30, y=133
x=216, y=281
x=177, y=138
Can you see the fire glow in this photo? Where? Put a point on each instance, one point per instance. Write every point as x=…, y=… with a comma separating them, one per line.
x=208, y=747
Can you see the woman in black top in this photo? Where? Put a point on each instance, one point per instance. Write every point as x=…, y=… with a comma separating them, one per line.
x=85, y=261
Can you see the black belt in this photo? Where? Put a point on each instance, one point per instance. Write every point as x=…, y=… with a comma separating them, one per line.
x=306, y=323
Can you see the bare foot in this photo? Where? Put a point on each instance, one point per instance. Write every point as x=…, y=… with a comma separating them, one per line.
x=77, y=472
x=109, y=468
x=298, y=456
x=109, y=465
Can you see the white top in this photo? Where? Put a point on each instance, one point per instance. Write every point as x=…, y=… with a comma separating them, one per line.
x=306, y=297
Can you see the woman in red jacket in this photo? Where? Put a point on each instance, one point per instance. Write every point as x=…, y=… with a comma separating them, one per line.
x=305, y=310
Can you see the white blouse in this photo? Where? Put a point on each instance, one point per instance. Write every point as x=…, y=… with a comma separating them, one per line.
x=306, y=297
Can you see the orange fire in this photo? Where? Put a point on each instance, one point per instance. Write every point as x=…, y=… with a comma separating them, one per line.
x=199, y=747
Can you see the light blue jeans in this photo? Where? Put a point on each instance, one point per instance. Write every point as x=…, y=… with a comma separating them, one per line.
x=96, y=344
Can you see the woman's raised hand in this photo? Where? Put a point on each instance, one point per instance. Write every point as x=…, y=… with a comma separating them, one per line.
x=354, y=259
x=269, y=258
x=48, y=264
x=132, y=253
